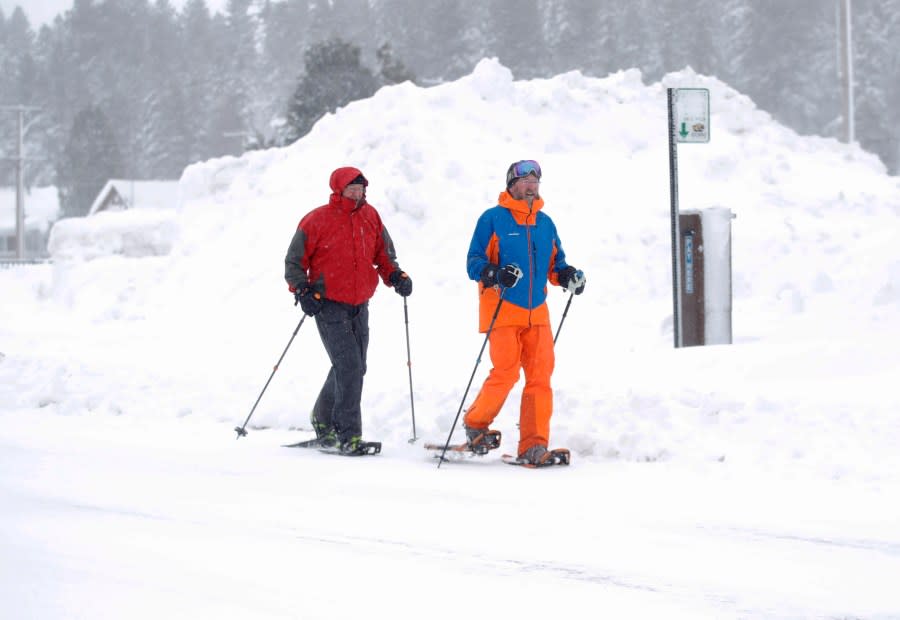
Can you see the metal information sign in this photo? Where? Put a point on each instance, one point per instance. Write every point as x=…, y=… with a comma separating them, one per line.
x=689, y=264
x=688, y=115
x=692, y=114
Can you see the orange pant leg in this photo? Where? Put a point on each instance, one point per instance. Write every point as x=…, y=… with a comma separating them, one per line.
x=505, y=356
x=537, y=397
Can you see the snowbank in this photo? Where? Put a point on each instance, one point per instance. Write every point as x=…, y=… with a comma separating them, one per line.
x=133, y=233
x=205, y=310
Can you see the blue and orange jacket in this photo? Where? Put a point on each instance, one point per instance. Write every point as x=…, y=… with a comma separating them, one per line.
x=341, y=248
x=511, y=233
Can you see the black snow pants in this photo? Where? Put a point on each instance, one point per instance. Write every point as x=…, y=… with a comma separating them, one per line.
x=344, y=330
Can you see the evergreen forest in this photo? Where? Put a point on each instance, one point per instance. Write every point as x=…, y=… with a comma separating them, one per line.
x=140, y=89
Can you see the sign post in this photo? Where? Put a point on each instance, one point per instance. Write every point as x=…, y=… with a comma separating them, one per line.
x=688, y=122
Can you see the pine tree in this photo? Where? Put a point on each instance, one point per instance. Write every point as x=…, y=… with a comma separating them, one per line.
x=351, y=21
x=625, y=37
x=783, y=84
x=163, y=129
x=91, y=157
x=518, y=38
x=46, y=136
x=391, y=69
x=285, y=27
x=400, y=21
x=334, y=77
x=572, y=36
x=198, y=77
x=876, y=60
x=251, y=106
x=17, y=41
x=445, y=21
x=228, y=114
x=730, y=41
x=18, y=85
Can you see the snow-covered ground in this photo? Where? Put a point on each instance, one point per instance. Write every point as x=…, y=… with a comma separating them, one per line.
x=757, y=480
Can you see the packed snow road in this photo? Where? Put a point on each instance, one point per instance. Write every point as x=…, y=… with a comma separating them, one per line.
x=108, y=517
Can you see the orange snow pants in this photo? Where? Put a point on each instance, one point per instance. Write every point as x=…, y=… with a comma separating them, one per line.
x=514, y=348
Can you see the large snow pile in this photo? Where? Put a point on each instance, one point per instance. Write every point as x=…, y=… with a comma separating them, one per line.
x=133, y=233
x=816, y=279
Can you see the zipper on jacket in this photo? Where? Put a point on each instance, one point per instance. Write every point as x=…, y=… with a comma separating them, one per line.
x=530, y=263
x=353, y=236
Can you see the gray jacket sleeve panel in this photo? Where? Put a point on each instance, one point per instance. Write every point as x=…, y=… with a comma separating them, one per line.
x=386, y=260
x=294, y=262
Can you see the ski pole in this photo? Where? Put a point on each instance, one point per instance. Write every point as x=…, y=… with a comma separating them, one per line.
x=477, y=362
x=565, y=312
x=412, y=404
x=240, y=430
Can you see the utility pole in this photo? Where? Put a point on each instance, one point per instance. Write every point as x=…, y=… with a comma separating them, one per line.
x=846, y=59
x=20, y=176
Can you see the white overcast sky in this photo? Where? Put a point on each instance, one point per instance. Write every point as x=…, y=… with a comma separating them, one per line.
x=42, y=12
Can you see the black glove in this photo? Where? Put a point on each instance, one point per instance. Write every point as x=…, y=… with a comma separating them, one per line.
x=507, y=276
x=401, y=282
x=310, y=301
x=572, y=280
x=489, y=275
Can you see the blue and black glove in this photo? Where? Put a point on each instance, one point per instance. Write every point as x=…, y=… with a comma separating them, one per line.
x=507, y=276
x=572, y=280
x=401, y=282
x=310, y=301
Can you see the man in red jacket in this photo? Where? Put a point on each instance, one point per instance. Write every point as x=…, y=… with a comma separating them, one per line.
x=332, y=268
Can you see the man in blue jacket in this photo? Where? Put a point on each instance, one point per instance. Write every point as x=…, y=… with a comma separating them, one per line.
x=514, y=252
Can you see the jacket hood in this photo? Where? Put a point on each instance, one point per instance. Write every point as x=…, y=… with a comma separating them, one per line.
x=341, y=178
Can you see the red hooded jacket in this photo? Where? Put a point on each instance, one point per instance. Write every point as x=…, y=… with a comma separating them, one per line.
x=341, y=248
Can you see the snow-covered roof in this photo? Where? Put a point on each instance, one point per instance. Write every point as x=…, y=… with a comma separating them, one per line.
x=129, y=194
x=41, y=208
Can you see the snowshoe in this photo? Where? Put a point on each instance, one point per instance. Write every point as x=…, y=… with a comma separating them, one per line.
x=539, y=456
x=485, y=441
x=326, y=440
x=355, y=446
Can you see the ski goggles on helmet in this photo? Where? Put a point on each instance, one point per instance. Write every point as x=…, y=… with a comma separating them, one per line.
x=522, y=169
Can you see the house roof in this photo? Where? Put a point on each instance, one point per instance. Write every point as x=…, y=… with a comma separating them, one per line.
x=159, y=194
x=41, y=208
